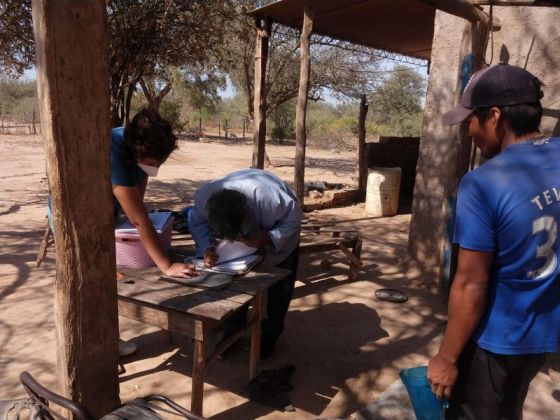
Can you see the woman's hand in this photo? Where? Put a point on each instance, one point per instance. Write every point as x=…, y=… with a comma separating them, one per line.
x=210, y=257
x=180, y=270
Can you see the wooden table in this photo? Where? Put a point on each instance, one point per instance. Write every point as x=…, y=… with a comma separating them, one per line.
x=145, y=297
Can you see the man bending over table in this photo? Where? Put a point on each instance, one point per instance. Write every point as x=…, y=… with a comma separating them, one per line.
x=257, y=208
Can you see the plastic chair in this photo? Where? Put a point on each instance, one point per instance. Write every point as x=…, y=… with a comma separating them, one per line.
x=139, y=408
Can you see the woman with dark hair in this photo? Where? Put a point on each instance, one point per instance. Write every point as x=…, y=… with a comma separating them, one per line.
x=137, y=152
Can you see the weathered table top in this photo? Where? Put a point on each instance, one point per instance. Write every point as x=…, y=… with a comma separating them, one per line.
x=145, y=285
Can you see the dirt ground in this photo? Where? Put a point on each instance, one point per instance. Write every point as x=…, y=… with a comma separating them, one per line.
x=347, y=346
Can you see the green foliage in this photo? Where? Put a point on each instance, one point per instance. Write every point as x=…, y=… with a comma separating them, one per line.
x=283, y=118
x=397, y=103
x=171, y=111
x=18, y=99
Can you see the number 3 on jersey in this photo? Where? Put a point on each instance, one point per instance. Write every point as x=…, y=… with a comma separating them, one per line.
x=549, y=225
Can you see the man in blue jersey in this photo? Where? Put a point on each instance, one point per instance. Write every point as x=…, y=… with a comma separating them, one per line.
x=504, y=306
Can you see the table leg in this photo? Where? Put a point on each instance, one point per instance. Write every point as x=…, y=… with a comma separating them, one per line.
x=199, y=365
x=258, y=310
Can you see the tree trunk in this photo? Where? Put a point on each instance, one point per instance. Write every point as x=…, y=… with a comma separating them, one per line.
x=128, y=102
x=362, y=164
x=259, y=103
x=73, y=85
x=301, y=108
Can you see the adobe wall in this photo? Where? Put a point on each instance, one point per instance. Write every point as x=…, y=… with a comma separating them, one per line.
x=528, y=35
x=399, y=152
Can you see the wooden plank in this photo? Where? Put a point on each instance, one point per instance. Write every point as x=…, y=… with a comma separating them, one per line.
x=327, y=245
x=362, y=163
x=157, y=317
x=258, y=314
x=460, y=8
x=195, y=302
x=350, y=255
x=71, y=48
x=301, y=108
x=199, y=366
x=536, y=3
x=259, y=100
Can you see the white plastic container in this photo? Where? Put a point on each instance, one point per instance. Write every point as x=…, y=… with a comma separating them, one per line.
x=382, y=191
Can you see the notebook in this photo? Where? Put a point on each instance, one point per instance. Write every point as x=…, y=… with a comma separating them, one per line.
x=159, y=220
x=234, y=257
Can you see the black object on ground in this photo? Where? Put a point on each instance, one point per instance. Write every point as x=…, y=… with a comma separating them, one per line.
x=271, y=388
x=391, y=295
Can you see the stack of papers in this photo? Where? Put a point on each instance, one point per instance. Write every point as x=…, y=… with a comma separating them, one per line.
x=159, y=220
x=233, y=258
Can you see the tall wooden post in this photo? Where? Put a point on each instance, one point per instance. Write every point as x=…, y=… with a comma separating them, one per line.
x=259, y=103
x=362, y=164
x=219, y=129
x=225, y=129
x=243, y=128
x=301, y=107
x=73, y=85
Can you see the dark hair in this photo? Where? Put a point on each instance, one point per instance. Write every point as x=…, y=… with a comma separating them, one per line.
x=149, y=136
x=522, y=119
x=227, y=212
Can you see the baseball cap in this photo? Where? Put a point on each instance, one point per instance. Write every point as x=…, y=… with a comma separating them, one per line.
x=497, y=85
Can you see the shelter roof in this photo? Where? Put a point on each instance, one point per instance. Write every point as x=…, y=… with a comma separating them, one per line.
x=404, y=26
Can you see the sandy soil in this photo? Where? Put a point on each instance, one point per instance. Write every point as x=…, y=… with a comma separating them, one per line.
x=346, y=345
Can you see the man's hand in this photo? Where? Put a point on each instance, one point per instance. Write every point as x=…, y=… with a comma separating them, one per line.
x=181, y=270
x=258, y=239
x=210, y=257
x=442, y=375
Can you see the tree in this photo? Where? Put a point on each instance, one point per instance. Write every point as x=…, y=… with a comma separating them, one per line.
x=149, y=38
x=146, y=38
x=397, y=102
x=346, y=73
x=16, y=37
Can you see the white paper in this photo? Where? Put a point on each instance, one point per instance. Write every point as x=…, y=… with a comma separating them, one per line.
x=235, y=266
x=232, y=250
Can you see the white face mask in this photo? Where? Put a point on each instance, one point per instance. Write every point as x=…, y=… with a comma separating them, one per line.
x=150, y=170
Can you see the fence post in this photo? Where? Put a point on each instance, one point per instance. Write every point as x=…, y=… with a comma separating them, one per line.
x=225, y=129
x=33, y=122
x=243, y=128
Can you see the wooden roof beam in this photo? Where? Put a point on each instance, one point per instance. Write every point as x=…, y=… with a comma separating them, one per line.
x=460, y=8
x=543, y=3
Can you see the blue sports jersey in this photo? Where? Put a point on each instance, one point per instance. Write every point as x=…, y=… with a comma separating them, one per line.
x=511, y=206
x=124, y=171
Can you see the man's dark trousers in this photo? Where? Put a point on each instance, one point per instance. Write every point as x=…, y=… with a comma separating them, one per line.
x=278, y=301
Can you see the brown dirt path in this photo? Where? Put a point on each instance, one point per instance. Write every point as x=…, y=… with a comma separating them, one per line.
x=346, y=345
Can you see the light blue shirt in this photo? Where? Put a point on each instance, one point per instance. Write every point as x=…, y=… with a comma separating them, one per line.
x=274, y=209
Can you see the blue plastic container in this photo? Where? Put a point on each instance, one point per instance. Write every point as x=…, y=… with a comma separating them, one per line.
x=424, y=402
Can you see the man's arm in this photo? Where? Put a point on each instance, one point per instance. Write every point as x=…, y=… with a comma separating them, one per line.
x=198, y=227
x=467, y=302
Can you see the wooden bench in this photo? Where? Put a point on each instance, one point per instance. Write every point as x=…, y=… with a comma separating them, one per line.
x=350, y=245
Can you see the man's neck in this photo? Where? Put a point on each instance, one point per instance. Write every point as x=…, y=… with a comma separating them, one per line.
x=510, y=138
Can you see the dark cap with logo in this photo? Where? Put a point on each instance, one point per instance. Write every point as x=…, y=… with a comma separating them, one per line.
x=499, y=85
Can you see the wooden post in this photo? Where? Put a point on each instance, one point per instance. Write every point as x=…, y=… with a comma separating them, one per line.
x=73, y=85
x=362, y=164
x=259, y=103
x=219, y=129
x=200, y=123
x=460, y=8
x=33, y=122
x=225, y=129
x=243, y=128
x=301, y=108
